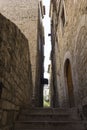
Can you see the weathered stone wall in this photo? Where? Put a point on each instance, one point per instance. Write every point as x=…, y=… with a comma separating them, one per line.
x=24, y=14
x=38, y=97
x=15, y=72
x=71, y=43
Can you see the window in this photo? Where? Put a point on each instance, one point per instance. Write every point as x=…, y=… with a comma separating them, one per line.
x=63, y=16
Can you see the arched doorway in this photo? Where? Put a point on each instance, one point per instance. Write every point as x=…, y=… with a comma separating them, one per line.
x=69, y=83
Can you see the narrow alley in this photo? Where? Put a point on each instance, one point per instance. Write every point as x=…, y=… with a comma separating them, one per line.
x=43, y=64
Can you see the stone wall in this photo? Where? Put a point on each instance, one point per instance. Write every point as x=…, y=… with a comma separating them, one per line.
x=71, y=43
x=38, y=95
x=24, y=14
x=15, y=72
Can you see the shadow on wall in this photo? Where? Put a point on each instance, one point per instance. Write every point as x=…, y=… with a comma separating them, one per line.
x=15, y=72
x=1, y=86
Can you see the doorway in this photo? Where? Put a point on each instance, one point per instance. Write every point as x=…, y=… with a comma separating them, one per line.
x=46, y=93
x=69, y=83
x=46, y=96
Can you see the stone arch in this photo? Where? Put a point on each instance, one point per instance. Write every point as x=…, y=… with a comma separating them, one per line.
x=68, y=57
x=69, y=83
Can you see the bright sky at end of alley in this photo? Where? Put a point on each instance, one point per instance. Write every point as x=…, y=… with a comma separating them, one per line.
x=46, y=23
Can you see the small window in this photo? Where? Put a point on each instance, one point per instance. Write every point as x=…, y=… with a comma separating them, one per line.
x=1, y=85
x=63, y=16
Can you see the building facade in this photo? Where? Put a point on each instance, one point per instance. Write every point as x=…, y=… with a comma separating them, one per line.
x=38, y=96
x=26, y=15
x=69, y=52
x=21, y=58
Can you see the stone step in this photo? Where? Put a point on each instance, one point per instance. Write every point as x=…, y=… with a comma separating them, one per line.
x=47, y=119
x=45, y=110
x=49, y=125
x=43, y=117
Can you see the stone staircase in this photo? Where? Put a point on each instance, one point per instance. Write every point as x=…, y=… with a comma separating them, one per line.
x=47, y=119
